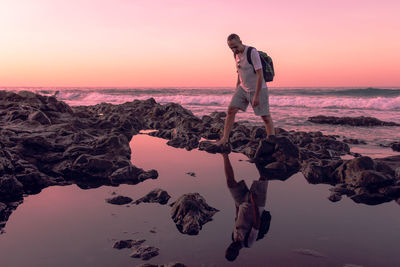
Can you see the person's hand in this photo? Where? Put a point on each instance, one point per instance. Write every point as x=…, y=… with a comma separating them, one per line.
x=256, y=100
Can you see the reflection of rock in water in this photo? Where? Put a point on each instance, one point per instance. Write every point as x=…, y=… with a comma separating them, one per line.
x=119, y=200
x=190, y=212
x=139, y=250
x=144, y=252
x=155, y=196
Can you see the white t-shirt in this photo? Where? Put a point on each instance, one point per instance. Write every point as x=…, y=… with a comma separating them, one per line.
x=247, y=77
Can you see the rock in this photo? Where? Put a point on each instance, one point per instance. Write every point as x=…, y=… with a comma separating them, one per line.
x=264, y=150
x=190, y=212
x=144, y=252
x=10, y=189
x=120, y=244
x=155, y=196
x=334, y=197
x=127, y=173
x=395, y=146
x=211, y=147
x=3, y=211
x=354, y=141
x=353, y=121
x=320, y=171
x=363, y=195
x=258, y=133
x=151, y=174
x=39, y=117
x=119, y=200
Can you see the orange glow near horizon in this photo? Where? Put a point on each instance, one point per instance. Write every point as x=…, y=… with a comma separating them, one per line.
x=183, y=43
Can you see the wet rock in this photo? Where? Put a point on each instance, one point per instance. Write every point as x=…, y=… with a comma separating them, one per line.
x=258, y=133
x=155, y=196
x=364, y=172
x=363, y=195
x=353, y=121
x=334, y=197
x=395, y=146
x=279, y=156
x=151, y=174
x=121, y=244
x=40, y=117
x=119, y=200
x=191, y=174
x=127, y=173
x=144, y=252
x=3, y=211
x=354, y=141
x=320, y=171
x=190, y=212
x=211, y=147
x=10, y=189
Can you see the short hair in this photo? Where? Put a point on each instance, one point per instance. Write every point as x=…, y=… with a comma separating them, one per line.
x=233, y=36
x=232, y=251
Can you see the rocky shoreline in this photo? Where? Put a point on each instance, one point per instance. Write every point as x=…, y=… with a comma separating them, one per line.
x=45, y=142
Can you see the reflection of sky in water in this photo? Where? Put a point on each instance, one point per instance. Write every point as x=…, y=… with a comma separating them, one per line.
x=67, y=226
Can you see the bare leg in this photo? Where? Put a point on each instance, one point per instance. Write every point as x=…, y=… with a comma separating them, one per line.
x=230, y=176
x=269, y=125
x=230, y=119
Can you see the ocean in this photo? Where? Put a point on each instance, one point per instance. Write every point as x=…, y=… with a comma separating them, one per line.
x=290, y=107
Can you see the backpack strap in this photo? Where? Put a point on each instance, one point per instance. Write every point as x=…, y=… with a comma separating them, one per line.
x=249, y=49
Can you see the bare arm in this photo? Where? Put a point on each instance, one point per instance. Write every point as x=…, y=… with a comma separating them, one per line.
x=260, y=80
x=238, y=81
x=229, y=174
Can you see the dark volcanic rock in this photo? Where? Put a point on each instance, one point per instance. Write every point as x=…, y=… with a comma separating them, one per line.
x=354, y=141
x=120, y=244
x=334, y=197
x=155, y=196
x=45, y=142
x=3, y=212
x=144, y=252
x=395, y=146
x=353, y=121
x=119, y=200
x=10, y=189
x=320, y=171
x=211, y=147
x=279, y=156
x=190, y=212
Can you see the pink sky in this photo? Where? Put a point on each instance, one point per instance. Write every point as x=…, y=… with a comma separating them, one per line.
x=138, y=43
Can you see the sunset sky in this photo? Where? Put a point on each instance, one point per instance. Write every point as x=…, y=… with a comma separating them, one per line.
x=140, y=43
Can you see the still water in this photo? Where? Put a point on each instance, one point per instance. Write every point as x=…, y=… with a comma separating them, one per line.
x=68, y=226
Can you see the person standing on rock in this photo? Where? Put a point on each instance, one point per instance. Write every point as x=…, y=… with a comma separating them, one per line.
x=251, y=221
x=250, y=88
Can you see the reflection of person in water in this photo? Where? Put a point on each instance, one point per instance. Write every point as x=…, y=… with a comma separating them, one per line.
x=251, y=221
